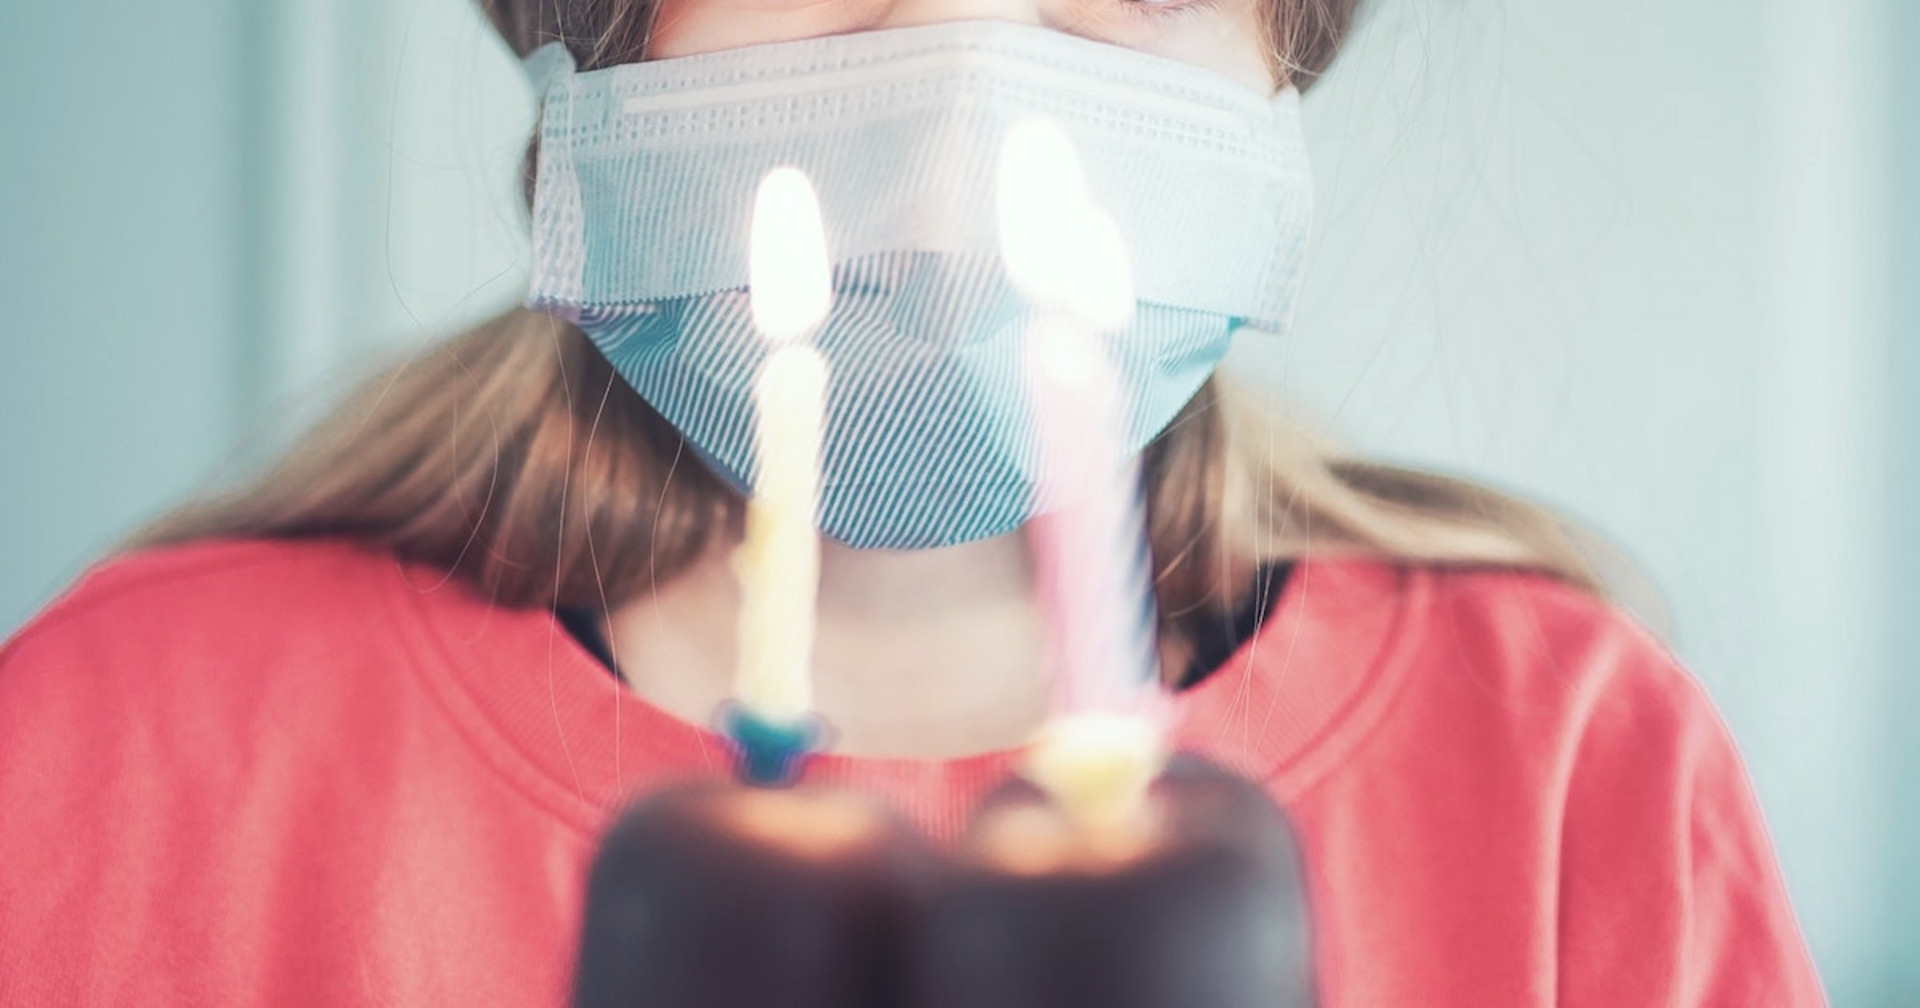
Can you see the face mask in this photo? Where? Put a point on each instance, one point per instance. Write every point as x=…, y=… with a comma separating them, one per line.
x=644, y=199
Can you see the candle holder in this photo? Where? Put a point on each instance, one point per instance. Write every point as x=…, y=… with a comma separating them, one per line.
x=718, y=896
x=1202, y=907
x=767, y=752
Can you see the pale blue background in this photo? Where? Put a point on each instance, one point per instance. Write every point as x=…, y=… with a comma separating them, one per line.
x=1646, y=260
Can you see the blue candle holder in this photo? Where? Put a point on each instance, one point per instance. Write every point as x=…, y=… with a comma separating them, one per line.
x=770, y=753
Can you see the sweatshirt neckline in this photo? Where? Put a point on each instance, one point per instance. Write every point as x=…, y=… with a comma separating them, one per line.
x=541, y=710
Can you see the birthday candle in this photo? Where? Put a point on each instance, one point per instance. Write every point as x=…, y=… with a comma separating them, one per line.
x=779, y=562
x=1090, y=541
x=1106, y=740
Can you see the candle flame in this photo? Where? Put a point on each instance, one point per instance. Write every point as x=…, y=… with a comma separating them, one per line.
x=1102, y=285
x=1060, y=250
x=1041, y=195
x=1068, y=362
x=789, y=277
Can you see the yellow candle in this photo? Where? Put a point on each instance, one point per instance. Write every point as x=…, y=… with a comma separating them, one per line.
x=779, y=562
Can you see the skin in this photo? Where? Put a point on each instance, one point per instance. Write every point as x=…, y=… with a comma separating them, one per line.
x=927, y=654
x=1222, y=35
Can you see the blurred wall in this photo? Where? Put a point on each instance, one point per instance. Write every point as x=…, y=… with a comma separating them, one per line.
x=1630, y=259
x=1635, y=259
x=123, y=190
x=1901, y=749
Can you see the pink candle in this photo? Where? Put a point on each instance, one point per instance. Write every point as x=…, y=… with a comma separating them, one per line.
x=1107, y=737
x=1090, y=546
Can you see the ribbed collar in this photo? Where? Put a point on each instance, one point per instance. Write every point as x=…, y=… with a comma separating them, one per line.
x=543, y=713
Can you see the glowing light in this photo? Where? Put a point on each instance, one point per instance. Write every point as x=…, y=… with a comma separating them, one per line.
x=1059, y=249
x=790, y=282
x=1042, y=196
x=1101, y=286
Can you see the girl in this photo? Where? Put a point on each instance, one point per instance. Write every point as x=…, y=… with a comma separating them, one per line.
x=347, y=735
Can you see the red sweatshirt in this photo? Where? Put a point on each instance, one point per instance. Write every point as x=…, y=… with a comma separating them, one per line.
x=305, y=774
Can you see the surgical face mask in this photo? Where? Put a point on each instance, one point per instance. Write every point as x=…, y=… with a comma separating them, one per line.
x=644, y=199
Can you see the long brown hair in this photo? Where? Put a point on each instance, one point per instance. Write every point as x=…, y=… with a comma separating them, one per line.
x=515, y=456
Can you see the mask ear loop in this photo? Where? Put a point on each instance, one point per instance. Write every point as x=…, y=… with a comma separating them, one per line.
x=547, y=65
x=559, y=253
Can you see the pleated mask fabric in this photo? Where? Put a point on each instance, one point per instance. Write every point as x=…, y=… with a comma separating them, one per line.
x=644, y=197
